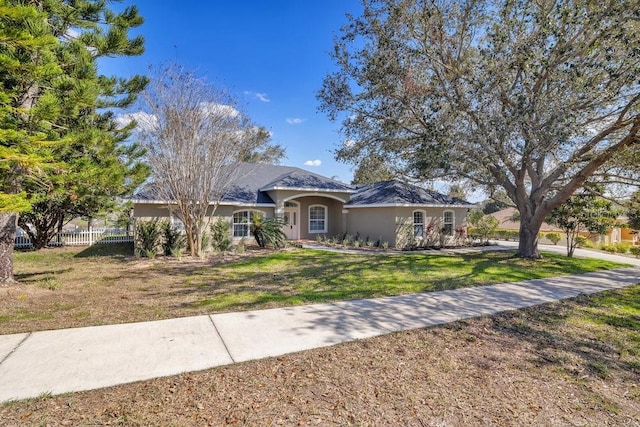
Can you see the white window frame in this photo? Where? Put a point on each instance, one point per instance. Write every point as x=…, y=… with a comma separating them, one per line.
x=324, y=220
x=250, y=212
x=445, y=223
x=419, y=224
x=176, y=222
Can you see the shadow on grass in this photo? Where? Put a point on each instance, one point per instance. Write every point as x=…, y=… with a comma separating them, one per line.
x=119, y=251
x=304, y=277
x=38, y=276
x=599, y=333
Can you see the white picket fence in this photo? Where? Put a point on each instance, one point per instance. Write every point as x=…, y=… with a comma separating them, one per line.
x=80, y=238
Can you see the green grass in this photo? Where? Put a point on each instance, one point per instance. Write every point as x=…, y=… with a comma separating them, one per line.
x=307, y=276
x=72, y=287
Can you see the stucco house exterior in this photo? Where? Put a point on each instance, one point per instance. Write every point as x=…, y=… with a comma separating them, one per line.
x=616, y=234
x=313, y=205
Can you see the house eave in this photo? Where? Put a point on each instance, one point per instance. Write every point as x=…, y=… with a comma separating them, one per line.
x=225, y=203
x=409, y=205
x=308, y=189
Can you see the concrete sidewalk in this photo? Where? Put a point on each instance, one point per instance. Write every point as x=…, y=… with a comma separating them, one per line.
x=87, y=358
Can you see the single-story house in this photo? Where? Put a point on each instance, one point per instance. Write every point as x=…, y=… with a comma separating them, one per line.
x=313, y=205
x=614, y=235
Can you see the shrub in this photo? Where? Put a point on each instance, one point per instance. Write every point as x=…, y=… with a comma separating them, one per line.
x=148, y=238
x=588, y=243
x=206, y=239
x=608, y=248
x=512, y=234
x=221, y=235
x=553, y=237
x=622, y=247
x=268, y=232
x=240, y=247
x=635, y=250
x=581, y=241
x=173, y=240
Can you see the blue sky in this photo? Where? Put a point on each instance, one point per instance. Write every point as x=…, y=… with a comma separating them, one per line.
x=272, y=55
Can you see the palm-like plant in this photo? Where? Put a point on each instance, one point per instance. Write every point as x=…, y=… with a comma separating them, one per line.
x=268, y=231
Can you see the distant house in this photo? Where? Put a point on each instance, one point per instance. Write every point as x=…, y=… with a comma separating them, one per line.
x=313, y=205
x=613, y=236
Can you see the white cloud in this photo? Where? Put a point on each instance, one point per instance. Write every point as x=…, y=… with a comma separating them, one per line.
x=145, y=121
x=349, y=143
x=260, y=95
x=295, y=120
x=314, y=163
x=220, y=110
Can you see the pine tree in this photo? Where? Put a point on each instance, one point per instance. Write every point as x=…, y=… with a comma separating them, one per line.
x=57, y=131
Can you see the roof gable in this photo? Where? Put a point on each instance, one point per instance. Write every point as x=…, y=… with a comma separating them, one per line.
x=298, y=179
x=397, y=193
x=252, y=181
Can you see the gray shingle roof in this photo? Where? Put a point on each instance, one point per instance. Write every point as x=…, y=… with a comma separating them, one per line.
x=301, y=179
x=253, y=180
x=397, y=193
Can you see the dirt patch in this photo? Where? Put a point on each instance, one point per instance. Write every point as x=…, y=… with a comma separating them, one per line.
x=550, y=365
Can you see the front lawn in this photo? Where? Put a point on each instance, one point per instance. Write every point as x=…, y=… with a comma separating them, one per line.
x=70, y=287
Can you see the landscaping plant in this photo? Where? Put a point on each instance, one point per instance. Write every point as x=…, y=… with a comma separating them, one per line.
x=622, y=247
x=553, y=237
x=221, y=235
x=148, y=238
x=173, y=241
x=268, y=231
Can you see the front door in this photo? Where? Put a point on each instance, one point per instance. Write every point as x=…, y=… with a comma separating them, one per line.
x=291, y=220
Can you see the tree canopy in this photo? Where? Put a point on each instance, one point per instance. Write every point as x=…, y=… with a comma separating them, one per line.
x=531, y=97
x=583, y=212
x=195, y=136
x=59, y=141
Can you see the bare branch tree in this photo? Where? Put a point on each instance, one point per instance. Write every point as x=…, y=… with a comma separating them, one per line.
x=195, y=135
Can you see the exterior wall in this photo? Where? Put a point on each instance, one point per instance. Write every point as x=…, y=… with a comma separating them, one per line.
x=332, y=201
x=375, y=223
x=630, y=235
x=150, y=211
x=156, y=211
x=384, y=223
x=334, y=216
x=392, y=224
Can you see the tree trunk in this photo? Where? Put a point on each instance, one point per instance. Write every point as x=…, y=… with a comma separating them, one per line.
x=8, y=224
x=528, y=245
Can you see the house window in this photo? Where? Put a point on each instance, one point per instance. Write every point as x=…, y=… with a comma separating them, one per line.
x=317, y=219
x=242, y=223
x=418, y=224
x=447, y=223
x=176, y=223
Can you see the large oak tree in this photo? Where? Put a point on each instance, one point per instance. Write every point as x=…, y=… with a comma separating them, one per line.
x=535, y=97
